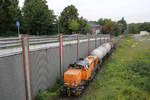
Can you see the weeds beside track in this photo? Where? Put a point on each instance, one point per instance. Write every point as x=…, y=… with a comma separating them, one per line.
x=126, y=74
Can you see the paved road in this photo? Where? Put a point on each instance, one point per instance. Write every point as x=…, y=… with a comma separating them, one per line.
x=141, y=38
x=14, y=41
x=12, y=51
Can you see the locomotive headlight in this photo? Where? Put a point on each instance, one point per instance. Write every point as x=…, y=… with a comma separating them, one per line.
x=65, y=84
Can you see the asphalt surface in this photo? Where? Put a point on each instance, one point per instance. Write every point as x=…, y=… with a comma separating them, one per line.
x=12, y=51
x=141, y=38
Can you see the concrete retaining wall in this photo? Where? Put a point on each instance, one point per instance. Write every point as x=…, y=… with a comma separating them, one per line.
x=44, y=69
x=12, y=83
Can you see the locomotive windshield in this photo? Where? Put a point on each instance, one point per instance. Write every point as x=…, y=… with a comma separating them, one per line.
x=87, y=66
x=80, y=64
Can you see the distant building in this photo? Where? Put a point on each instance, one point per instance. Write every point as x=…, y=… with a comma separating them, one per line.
x=143, y=33
x=96, y=28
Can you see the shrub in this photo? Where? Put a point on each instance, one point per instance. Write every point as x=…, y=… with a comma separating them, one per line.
x=52, y=91
x=40, y=95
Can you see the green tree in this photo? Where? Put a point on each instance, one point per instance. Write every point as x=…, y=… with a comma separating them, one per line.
x=82, y=23
x=37, y=18
x=133, y=28
x=107, y=21
x=109, y=27
x=15, y=3
x=19, y=15
x=8, y=17
x=27, y=1
x=144, y=26
x=74, y=26
x=124, y=24
x=101, y=21
x=117, y=29
x=93, y=22
x=67, y=15
x=88, y=28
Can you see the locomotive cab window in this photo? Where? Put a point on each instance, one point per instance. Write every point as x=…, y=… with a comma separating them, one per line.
x=87, y=66
x=78, y=66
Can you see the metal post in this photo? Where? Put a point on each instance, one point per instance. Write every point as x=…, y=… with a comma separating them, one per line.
x=18, y=25
x=18, y=31
x=104, y=38
x=100, y=39
x=78, y=46
x=27, y=66
x=95, y=41
x=88, y=44
x=61, y=53
x=107, y=38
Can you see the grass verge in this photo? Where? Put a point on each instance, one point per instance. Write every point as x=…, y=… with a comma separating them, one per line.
x=126, y=76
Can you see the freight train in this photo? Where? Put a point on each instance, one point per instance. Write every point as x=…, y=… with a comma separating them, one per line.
x=79, y=74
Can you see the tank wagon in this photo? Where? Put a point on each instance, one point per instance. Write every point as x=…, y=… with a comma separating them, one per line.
x=79, y=74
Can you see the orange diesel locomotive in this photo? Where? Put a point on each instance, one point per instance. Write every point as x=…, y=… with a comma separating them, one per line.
x=78, y=75
x=81, y=72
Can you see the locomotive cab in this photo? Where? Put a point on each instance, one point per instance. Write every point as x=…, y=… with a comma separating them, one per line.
x=78, y=74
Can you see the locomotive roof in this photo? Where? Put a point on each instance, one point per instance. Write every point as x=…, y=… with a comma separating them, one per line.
x=82, y=62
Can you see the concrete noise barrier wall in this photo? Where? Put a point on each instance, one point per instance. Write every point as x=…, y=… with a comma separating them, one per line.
x=44, y=67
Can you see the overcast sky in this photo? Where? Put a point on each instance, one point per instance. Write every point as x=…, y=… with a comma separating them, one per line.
x=131, y=10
